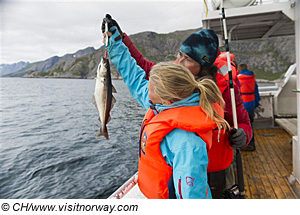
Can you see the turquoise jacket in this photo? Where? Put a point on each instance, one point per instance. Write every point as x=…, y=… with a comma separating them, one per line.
x=184, y=151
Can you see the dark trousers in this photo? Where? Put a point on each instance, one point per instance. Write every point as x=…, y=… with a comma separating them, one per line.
x=251, y=116
x=217, y=183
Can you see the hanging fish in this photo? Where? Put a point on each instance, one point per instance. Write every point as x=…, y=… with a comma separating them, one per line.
x=103, y=97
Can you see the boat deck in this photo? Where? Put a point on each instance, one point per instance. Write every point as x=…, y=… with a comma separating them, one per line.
x=288, y=124
x=267, y=169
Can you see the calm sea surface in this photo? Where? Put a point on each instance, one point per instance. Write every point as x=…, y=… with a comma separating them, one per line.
x=48, y=147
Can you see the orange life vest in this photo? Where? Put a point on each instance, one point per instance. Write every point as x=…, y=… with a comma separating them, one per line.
x=154, y=173
x=247, y=87
x=222, y=75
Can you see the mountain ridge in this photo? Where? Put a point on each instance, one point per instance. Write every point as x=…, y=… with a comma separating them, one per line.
x=267, y=58
x=6, y=69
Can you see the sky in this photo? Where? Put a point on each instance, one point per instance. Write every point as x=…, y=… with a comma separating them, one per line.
x=36, y=30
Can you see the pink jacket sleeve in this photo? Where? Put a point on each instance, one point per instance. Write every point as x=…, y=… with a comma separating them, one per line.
x=145, y=64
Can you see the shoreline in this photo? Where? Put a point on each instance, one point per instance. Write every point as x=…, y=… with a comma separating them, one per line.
x=67, y=77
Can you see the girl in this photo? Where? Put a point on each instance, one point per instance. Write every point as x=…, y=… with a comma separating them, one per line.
x=176, y=133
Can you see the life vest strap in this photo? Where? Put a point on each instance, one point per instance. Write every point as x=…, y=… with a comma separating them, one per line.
x=251, y=93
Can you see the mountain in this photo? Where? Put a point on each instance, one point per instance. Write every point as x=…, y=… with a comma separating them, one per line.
x=41, y=68
x=268, y=58
x=155, y=47
x=11, y=68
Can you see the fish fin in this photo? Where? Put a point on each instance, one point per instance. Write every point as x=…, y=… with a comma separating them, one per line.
x=113, y=89
x=109, y=118
x=94, y=101
x=99, y=119
x=113, y=101
x=106, y=135
x=103, y=132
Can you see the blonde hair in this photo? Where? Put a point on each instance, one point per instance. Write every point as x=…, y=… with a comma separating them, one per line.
x=174, y=82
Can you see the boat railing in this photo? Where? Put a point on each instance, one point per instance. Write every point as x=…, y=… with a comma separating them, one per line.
x=125, y=188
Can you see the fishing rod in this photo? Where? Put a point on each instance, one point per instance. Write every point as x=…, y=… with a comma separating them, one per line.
x=229, y=68
x=241, y=184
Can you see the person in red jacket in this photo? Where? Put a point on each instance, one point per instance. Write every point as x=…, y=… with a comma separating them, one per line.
x=250, y=96
x=221, y=153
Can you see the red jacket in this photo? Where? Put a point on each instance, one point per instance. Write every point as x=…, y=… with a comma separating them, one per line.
x=216, y=163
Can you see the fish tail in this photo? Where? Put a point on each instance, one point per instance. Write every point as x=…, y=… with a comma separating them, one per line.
x=103, y=132
x=106, y=135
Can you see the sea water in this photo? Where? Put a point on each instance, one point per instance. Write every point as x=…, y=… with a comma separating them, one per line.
x=48, y=147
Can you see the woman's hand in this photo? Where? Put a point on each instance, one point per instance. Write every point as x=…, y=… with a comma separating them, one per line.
x=110, y=22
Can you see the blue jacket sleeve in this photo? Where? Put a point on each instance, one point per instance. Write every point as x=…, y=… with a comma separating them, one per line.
x=186, y=153
x=133, y=75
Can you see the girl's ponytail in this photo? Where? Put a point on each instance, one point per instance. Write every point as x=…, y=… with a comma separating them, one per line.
x=210, y=94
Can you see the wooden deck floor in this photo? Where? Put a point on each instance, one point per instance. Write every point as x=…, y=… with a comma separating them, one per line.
x=266, y=170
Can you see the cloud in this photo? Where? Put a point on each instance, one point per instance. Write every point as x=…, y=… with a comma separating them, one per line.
x=36, y=30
